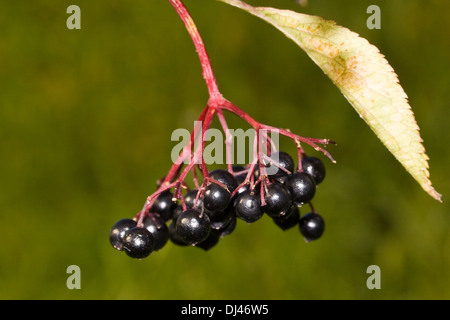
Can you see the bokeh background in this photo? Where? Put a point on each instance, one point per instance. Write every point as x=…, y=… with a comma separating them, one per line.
x=86, y=118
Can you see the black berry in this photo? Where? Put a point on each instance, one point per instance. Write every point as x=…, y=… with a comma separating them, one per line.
x=159, y=230
x=118, y=230
x=311, y=226
x=222, y=218
x=240, y=178
x=302, y=187
x=173, y=235
x=247, y=206
x=164, y=205
x=225, y=177
x=138, y=243
x=314, y=167
x=176, y=212
x=190, y=197
x=210, y=241
x=216, y=198
x=229, y=228
x=278, y=199
x=289, y=219
x=283, y=160
x=192, y=226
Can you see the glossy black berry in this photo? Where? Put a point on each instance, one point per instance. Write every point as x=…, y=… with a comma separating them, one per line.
x=283, y=160
x=176, y=212
x=190, y=197
x=314, y=167
x=173, y=235
x=240, y=178
x=217, y=216
x=302, y=187
x=278, y=199
x=118, y=230
x=210, y=242
x=192, y=226
x=222, y=218
x=159, y=230
x=224, y=177
x=311, y=226
x=164, y=205
x=289, y=219
x=138, y=243
x=247, y=206
x=216, y=198
x=229, y=228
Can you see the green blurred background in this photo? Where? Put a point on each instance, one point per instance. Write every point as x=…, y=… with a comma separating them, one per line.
x=86, y=118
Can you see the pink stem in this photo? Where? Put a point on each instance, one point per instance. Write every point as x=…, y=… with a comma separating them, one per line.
x=228, y=139
x=227, y=105
x=299, y=154
x=208, y=74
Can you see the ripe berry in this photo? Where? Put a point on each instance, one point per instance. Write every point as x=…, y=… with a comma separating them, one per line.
x=192, y=226
x=278, y=199
x=311, y=226
x=164, y=205
x=222, y=218
x=176, y=212
x=173, y=236
x=216, y=198
x=118, y=231
x=217, y=216
x=247, y=206
x=229, y=228
x=314, y=167
x=158, y=229
x=224, y=177
x=240, y=178
x=190, y=197
x=289, y=219
x=283, y=160
x=138, y=243
x=302, y=187
x=209, y=242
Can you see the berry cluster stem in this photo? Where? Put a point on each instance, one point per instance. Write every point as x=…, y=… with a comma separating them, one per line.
x=208, y=73
x=215, y=106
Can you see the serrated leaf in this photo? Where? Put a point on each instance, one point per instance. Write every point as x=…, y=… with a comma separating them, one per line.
x=364, y=77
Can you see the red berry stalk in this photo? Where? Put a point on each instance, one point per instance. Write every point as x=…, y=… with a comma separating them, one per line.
x=216, y=106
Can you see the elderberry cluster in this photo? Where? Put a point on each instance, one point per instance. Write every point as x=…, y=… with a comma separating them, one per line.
x=202, y=216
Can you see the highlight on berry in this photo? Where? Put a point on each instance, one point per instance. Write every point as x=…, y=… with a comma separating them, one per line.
x=202, y=215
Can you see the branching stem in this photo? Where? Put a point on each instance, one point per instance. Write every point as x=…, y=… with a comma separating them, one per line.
x=215, y=106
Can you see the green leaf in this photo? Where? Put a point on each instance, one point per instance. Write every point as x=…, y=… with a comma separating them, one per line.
x=364, y=77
